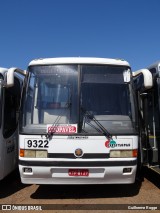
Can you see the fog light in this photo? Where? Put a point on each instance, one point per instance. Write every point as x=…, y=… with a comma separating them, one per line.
x=27, y=170
x=127, y=170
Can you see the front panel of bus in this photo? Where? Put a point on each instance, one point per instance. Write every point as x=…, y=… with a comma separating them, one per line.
x=79, y=125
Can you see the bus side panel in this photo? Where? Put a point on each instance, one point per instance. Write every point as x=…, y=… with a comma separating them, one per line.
x=10, y=153
x=1, y=157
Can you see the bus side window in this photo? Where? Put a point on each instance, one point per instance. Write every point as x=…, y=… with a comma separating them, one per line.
x=11, y=107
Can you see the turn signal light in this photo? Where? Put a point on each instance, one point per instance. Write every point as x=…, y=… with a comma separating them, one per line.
x=21, y=153
x=135, y=152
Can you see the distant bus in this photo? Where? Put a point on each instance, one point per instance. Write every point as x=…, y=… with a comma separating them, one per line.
x=79, y=122
x=9, y=116
x=150, y=107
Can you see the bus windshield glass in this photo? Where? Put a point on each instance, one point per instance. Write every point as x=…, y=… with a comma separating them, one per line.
x=65, y=94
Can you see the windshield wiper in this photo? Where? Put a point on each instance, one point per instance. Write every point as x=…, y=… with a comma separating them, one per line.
x=101, y=128
x=67, y=106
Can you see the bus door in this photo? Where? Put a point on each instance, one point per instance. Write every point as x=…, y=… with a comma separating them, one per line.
x=151, y=115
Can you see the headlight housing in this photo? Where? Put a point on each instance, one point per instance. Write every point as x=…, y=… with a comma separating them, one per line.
x=33, y=153
x=123, y=153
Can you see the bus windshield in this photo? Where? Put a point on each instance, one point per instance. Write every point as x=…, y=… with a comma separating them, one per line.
x=61, y=94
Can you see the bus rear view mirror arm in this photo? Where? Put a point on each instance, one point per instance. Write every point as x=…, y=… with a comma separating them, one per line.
x=148, y=80
x=10, y=75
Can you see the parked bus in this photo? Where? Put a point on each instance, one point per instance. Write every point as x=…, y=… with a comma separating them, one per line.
x=9, y=117
x=79, y=122
x=150, y=107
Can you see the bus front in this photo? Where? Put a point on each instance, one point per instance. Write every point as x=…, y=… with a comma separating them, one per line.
x=79, y=123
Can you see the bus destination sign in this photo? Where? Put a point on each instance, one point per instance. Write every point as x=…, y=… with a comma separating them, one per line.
x=62, y=128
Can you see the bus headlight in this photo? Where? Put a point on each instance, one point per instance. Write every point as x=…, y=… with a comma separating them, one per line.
x=29, y=153
x=33, y=153
x=41, y=154
x=123, y=153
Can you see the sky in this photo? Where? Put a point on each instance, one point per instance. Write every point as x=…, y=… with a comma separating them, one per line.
x=127, y=29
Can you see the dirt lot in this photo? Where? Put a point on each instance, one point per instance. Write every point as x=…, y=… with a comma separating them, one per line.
x=72, y=198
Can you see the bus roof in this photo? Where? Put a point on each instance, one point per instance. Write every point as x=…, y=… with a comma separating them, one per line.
x=3, y=70
x=79, y=60
x=154, y=65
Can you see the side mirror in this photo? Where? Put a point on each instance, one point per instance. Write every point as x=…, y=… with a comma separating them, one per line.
x=10, y=75
x=148, y=79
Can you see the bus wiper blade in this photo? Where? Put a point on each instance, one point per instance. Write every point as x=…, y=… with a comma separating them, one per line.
x=67, y=106
x=101, y=127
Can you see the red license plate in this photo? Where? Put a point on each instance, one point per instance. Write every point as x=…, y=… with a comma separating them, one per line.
x=78, y=172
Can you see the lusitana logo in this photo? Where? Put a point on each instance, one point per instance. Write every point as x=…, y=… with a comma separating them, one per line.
x=110, y=143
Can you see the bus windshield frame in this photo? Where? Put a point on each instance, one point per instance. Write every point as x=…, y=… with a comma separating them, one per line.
x=61, y=94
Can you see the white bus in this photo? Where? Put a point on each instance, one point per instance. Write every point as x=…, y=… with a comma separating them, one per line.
x=79, y=122
x=9, y=116
x=150, y=107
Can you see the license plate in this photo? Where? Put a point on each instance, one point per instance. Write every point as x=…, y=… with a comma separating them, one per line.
x=78, y=172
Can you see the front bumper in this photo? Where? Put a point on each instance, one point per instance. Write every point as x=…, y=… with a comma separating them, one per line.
x=56, y=172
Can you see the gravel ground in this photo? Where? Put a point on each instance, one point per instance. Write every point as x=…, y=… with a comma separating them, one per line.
x=74, y=197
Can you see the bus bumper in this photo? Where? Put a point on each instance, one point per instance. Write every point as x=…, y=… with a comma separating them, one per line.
x=61, y=175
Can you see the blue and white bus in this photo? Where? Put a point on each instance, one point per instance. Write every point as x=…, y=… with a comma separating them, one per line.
x=79, y=122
